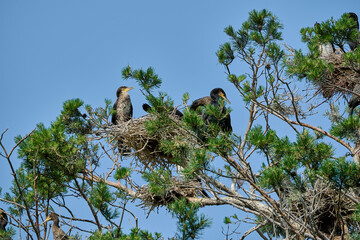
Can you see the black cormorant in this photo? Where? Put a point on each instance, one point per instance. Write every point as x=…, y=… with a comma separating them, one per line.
x=124, y=112
x=3, y=223
x=174, y=111
x=353, y=44
x=213, y=99
x=355, y=99
x=57, y=232
x=3, y=219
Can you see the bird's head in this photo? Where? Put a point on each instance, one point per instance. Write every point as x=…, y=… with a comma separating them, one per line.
x=52, y=216
x=219, y=92
x=123, y=89
x=355, y=18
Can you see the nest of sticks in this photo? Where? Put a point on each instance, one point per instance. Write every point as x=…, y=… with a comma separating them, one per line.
x=146, y=147
x=331, y=214
x=340, y=80
x=177, y=189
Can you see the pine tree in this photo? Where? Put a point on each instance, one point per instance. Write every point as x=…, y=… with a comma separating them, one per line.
x=302, y=183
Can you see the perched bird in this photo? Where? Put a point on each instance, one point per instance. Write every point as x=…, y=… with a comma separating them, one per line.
x=124, y=112
x=353, y=44
x=325, y=49
x=57, y=232
x=354, y=100
x=200, y=102
x=213, y=99
x=123, y=106
x=174, y=111
x=3, y=219
x=224, y=123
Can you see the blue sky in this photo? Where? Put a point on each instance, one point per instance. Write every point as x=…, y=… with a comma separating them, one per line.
x=51, y=51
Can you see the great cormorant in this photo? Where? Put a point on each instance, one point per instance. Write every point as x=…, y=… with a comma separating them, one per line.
x=355, y=99
x=213, y=99
x=57, y=232
x=123, y=106
x=174, y=111
x=124, y=112
x=353, y=44
x=3, y=219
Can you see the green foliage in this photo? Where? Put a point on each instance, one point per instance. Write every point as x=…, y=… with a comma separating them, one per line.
x=189, y=224
x=309, y=66
x=148, y=80
x=347, y=128
x=53, y=156
x=275, y=53
x=288, y=158
x=261, y=28
x=198, y=161
x=101, y=197
x=225, y=54
x=263, y=141
x=159, y=181
x=236, y=79
x=8, y=234
x=332, y=32
x=343, y=174
x=193, y=120
x=352, y=58
x=178, y=148
x=135, y=234
x=72, y=119
x=122, y=173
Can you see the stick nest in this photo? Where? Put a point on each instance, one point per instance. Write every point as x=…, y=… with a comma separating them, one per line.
x=329, y=210
x=339, y=81
x=177, y=189
x=133, y=135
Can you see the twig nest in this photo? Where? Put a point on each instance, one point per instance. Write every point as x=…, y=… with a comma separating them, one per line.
x=342, y=79
x=328, y=208
x=177, y=189
x=146, y=147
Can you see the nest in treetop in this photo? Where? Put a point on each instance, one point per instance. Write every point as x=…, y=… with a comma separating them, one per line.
x=177, y=189
x=146, y=147
x=330, y=213
x=340, y=81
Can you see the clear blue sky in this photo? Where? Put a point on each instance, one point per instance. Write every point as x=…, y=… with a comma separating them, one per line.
x=51, y=51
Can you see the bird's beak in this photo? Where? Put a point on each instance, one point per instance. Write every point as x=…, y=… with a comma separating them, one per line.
x=128, y=89
x=223, y=96
x=47, y=219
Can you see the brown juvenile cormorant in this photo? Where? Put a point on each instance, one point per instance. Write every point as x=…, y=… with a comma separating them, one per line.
x=354, y=100
x=57, y=232
x=124, y=112
x=174, y=111
x=353, y=44
x=123, y=106
x=213, y=99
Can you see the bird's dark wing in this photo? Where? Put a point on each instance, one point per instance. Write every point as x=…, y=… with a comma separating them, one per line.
x=200, y=102
x=354, y=100
x=177, y=113
x=131, y=110
x=146, y=107
x=227, y=124
x=113, y=117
